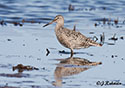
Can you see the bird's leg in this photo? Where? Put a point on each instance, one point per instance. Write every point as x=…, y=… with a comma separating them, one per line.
x=72, y=52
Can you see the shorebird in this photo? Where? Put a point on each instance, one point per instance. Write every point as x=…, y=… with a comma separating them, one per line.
x=70, y=38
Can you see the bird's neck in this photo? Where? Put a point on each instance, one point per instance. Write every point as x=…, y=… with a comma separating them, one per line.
x=58, y=26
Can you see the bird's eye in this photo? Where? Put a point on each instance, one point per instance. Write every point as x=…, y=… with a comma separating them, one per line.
x=56, y=18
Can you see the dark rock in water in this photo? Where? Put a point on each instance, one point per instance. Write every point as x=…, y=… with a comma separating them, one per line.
x=102, y=38
x=112, y=56
x=104, y=20
x=108, y=22
x=47, y=52
x=113, y=38
x=23, y=44
x=104, y=8
x=36, y=39
x=118, y=26
x=116, y=21
x=122, y=37
x=116, y=56
x=63, y=51
x=15, y=23
x=90, y=9
x=21, y=68
x=95, y=24
x=21, y=24
x=43, y=68
x=111, y=43
x=9, y=40
x=91, y=32
x=71, y=7
x=2, y=22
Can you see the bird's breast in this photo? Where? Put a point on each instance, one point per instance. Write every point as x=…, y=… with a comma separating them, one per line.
x=62, y=38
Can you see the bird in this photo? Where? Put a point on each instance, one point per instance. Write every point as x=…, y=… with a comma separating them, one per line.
x=70, y=38
x=71, y=66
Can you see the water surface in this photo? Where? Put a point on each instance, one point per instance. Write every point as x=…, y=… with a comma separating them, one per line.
x=27, y=43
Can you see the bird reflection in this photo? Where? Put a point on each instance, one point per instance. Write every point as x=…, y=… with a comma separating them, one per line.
x=71, y=66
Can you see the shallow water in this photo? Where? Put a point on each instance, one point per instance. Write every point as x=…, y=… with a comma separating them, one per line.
x=27, y=44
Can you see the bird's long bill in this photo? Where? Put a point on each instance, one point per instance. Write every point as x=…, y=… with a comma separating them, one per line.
x=49, y=23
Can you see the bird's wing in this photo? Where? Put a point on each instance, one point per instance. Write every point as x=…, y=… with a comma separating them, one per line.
x=74, y=36
x=79, y=39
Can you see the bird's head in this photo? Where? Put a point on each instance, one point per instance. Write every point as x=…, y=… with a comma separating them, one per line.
x=58, y=19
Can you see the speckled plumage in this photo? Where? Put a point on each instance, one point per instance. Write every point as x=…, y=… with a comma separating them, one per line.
x=73, y=40
x=70, y=38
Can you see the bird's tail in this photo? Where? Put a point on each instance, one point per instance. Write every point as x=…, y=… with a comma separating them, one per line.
x=96, y=44
x=95, y=63
x=93, y=43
